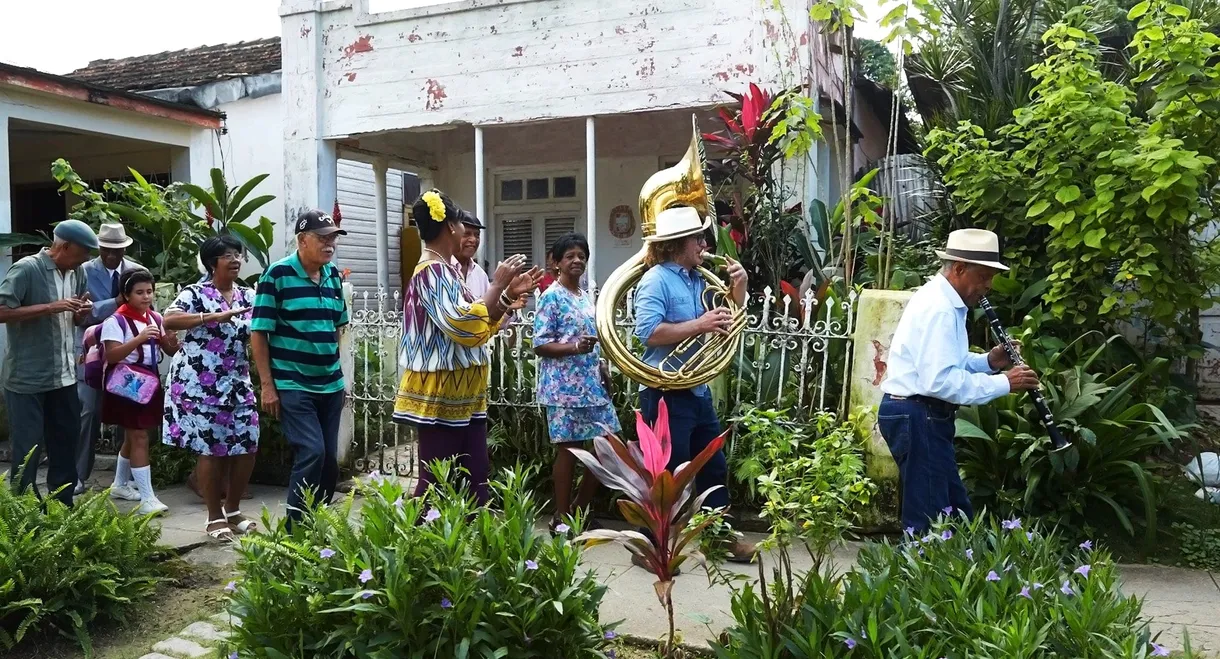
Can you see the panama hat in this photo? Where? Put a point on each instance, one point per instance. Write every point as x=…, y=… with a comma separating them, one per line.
x=678, y=222
x=973, y=246
x=113, y=236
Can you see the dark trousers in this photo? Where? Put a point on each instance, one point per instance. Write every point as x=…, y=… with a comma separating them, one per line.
x=692, y=426
x=311, y=427
x=48, y=421
x=465, y=445
x=920, y=434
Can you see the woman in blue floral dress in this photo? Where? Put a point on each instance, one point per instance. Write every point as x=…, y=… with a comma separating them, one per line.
x=210, y=408
x=571, y=382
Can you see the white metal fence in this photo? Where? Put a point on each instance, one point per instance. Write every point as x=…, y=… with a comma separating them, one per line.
x=794, y=355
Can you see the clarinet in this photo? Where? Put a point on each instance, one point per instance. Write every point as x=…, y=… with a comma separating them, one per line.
x=1057, y=440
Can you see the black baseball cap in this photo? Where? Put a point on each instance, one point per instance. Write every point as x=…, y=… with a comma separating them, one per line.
x=317, y=222
x=469, y=219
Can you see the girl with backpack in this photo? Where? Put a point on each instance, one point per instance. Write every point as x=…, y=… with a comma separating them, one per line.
x=132, y=341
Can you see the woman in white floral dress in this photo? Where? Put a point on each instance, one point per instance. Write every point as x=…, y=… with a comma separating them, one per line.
x=210, y=407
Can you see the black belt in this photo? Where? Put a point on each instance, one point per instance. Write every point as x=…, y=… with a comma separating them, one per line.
x=931, y=403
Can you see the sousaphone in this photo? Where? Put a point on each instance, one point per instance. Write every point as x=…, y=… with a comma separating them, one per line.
x=684, y=184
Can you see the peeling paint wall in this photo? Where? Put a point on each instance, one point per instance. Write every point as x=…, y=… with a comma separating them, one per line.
x=489, y=63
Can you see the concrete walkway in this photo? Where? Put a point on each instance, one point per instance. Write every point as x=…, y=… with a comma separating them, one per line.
x=1173, y=598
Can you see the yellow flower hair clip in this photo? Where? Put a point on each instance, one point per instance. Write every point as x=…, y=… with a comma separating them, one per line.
x=436, y=206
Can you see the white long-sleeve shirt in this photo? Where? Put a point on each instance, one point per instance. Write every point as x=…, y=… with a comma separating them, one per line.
x=930, y=354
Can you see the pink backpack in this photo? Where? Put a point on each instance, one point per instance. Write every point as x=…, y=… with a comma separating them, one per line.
x=136, y=382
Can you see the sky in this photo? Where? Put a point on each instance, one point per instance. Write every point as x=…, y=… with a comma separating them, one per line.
x=59, y=36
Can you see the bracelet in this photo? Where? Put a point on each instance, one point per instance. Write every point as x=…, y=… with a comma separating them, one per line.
x=505, y=301
x=201, y=321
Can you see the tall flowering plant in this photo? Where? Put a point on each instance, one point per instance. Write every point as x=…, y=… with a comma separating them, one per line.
x=656, y=499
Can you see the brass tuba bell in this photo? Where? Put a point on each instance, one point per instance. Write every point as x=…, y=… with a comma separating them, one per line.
x=684, y=184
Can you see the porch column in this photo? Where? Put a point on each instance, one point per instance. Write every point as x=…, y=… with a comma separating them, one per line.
x=310, y=162
x=380, y=165
x=6, y=209
x=193, y=164
x=480, y=198
x=591, y=199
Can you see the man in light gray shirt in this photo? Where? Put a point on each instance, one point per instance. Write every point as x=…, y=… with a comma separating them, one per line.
x=42, y=300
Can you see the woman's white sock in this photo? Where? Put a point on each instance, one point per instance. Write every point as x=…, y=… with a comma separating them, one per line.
x=122, y=472
x=143, y=478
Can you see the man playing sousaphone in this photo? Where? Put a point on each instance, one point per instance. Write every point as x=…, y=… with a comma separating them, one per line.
x=931, y=371
x=670, y=308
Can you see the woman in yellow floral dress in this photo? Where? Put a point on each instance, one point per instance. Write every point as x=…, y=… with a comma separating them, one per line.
x=444, y=346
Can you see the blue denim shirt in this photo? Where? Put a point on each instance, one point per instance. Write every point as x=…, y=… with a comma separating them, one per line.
x=668, y=293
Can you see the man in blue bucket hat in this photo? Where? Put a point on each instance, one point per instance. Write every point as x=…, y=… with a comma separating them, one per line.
x=42, y=300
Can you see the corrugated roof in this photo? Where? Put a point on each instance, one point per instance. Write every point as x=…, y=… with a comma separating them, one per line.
x=184, y=68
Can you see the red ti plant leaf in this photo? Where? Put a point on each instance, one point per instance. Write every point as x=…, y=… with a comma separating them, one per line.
x=730, y=122
x=654, y=498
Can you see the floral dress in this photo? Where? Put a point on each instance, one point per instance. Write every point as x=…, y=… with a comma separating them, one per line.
x=210, y=406
x=578, y=407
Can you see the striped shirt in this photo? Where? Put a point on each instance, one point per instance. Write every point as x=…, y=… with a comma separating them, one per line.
x=301, y=320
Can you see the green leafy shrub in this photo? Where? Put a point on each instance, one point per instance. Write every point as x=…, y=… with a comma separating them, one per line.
x=1200, y=548
x=63, y=569
x=436, y=576
x=968, y=589
x=1003, y=448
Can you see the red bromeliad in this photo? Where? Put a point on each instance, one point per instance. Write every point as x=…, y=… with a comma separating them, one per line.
x=655, y=498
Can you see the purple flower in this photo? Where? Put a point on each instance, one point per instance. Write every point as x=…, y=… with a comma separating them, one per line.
x=850, y=643
x=563, y=528
x=610, y=635
x=1083, y=570
x=946, y=534
x=229, y=362
x=188, y=405
x=992, y=576
x=948, y=510
x=1038, y=585
x=231, y=587
x=211, y=293
x=531, y=565
x=366, y=594
x=1159, y=650
x=249, y=398
x=366, y=576
x=207, y=378
x=930, y=537
x=970, y=554
x=232, y=655
x=398, y=503
x=175, y=430
x=1066, y=589
x=177, y=388
x=220, y=449
x=910, y=530
x=1029, y=535
x=1011, y=524
x=1087, y=545
x=1025, y=593
x=445, y=603
x=211, y=400
x=224, y=418
x=326, y=553
x=432, y=515
x=213, y=346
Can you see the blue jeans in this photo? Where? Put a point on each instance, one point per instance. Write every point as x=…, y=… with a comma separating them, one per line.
x=692, y=426
x=311, y=427
x=920, y=434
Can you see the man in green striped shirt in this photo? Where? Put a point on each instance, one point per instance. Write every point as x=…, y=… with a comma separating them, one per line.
x=298, y=310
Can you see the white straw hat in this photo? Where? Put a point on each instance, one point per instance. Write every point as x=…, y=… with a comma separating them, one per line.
x=678, y=222
x=973, y=246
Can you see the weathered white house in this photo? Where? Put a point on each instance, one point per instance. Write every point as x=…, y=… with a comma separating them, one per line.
x=544, y=116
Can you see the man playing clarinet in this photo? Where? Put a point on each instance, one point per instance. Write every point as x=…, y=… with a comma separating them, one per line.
x=931, y=371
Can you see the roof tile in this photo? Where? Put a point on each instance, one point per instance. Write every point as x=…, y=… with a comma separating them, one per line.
x=184, y=68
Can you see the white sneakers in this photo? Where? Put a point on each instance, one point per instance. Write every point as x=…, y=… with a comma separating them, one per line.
x=80, y=489
x=124, y=493
x=152, y=506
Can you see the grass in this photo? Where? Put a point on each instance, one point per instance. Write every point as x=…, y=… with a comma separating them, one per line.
x=194, y=594
x=1178, y=503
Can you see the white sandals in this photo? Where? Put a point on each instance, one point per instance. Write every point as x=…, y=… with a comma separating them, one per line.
x=243, y=527
x=222, y=534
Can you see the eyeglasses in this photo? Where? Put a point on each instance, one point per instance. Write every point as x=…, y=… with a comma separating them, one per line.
x=234, y=256
x=326, y=240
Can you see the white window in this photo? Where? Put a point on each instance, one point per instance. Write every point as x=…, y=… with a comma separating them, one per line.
x=532, y=234
x=532, y=189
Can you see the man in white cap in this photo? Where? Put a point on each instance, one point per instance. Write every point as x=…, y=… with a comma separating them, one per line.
x=669, y=308
x=931, y=371
x=102, y=282
x=42, y=299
